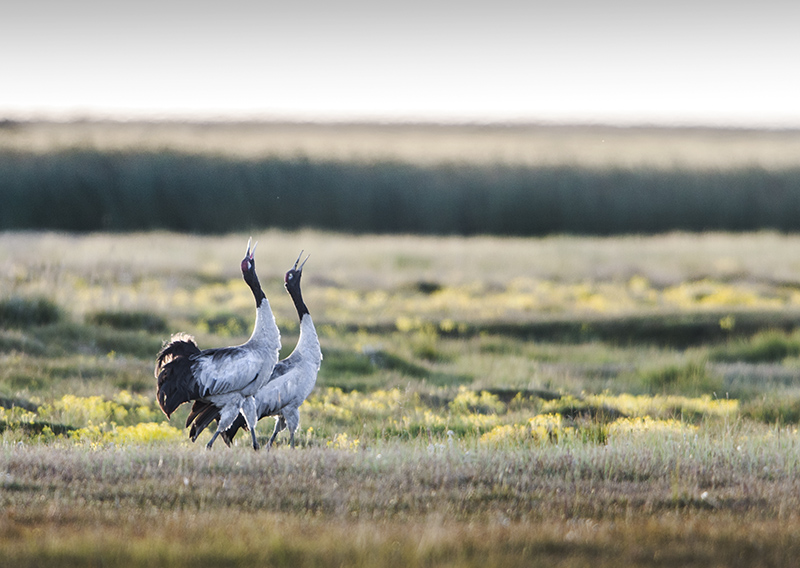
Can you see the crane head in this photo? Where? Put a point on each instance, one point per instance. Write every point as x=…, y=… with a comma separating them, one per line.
x=248, y=262
x=293, y=276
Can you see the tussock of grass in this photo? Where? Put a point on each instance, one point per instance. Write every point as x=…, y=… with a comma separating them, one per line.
x=128, y=320
x=771, y=409
x=25, y=312
x=17, y=403
x=680, y=330
x=351, y=369
x=36, y=428
x=12, y=340
x=692, y=377
x=347, y=362
x=766, y=346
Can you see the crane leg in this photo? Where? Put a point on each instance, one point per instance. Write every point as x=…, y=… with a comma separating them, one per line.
x=211, y=442
x=250, y=414
x=255, y=442
x=280, y=424
x=292, y=417
x=226, y=418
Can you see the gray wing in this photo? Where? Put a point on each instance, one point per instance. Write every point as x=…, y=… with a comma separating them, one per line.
x=281, y=391
x=220, y=371
x=280, y=369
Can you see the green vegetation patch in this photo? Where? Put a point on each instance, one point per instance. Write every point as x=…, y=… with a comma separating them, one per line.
x=771, y=409
x=24, y=342
x=145, y=321
x=767, y=346
x=6, y=402
x=24, y=312
x=36, y=428
x=370, y=368
x=68, y=337
x=673, y=329
x=224, y=324
x=692, y=377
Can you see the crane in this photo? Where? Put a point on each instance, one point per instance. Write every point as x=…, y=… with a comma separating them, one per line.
x=292, y=379
x=221, y=381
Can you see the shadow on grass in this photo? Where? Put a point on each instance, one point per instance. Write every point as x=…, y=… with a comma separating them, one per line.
x=66, y=338
x=35, y=428
x=668, y=330
x=132, y=321
x=17, y=403
x=351, y=370
x=676, y=330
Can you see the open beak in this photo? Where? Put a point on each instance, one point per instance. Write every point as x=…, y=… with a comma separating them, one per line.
x=296, y=262
x=249, y=253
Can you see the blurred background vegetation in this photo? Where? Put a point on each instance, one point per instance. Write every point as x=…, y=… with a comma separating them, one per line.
x=425, y=179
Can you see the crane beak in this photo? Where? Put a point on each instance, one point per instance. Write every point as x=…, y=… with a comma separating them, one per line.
x=249, y=253
x=296, y=262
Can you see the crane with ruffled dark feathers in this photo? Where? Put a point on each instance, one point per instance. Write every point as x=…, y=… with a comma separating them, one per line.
x=292, y=379
x=222, y=381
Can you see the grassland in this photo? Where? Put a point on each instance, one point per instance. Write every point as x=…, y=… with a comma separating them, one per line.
x=484, y=401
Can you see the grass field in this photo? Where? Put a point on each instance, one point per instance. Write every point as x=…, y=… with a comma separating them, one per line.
x=484, y=401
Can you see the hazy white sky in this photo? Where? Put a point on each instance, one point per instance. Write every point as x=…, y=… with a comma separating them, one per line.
x=684, y=61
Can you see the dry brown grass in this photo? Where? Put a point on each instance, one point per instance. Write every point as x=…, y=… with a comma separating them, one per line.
x=190, y=538
x=400, y=506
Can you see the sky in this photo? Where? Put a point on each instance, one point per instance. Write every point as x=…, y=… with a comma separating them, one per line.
x=683, y=62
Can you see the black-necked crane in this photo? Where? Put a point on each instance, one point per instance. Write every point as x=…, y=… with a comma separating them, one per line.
x=292, y=379
x=221, y=381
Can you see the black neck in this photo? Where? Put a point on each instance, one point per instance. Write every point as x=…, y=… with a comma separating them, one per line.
x=297, y=297
x=255, y=286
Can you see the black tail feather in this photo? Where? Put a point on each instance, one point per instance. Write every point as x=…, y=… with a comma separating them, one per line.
x=202, y=414
x=227, y=435
x=176, y=383
x=197, y=409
